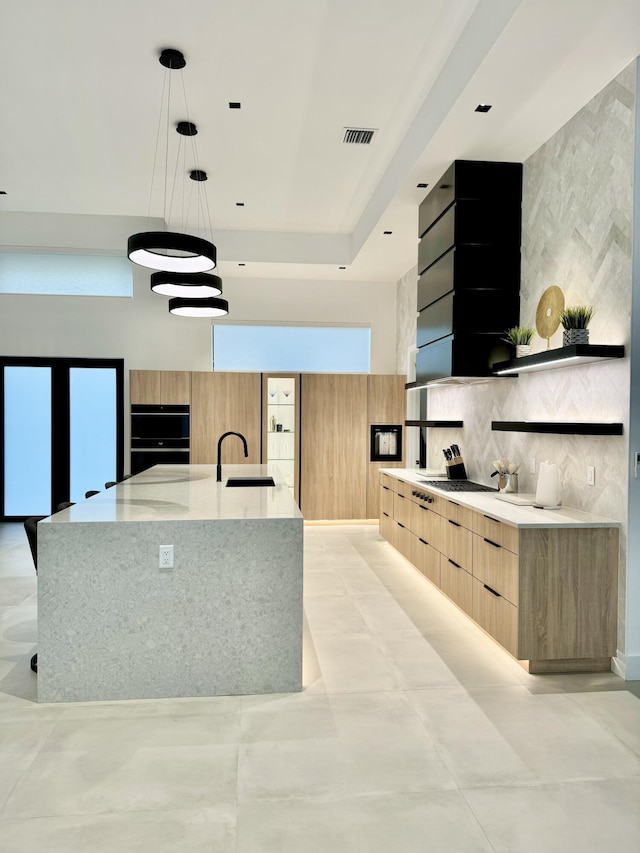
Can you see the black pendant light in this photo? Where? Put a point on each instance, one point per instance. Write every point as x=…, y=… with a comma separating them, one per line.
x=210, y=307
x=192, y=285
x=172, y=251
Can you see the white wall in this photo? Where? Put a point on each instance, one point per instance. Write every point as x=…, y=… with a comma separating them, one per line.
x=141, y=330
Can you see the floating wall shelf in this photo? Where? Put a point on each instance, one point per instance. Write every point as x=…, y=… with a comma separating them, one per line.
x=559, y=428
x=435, y=424
x=554, y=358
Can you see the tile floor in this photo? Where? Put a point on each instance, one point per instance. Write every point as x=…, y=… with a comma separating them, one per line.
x=414, y=733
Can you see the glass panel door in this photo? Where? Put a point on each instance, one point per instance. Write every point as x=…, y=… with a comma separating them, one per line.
x=27, y=441
x=92, y=429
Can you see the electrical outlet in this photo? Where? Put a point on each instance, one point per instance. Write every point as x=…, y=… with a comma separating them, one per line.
x=591, y=475
x=165, y=557
x=532, y=465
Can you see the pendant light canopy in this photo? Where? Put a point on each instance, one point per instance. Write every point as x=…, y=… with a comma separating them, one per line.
x=210, y=307
x=171, y=251
x=192, y=286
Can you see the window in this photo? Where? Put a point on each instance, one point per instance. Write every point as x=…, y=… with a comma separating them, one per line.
x=281, y=349
x=65, y=275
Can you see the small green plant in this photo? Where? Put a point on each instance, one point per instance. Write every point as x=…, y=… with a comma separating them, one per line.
x=578, y=317
x=519, y=336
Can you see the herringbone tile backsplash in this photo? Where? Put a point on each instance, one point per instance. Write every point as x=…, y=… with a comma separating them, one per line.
x=577, y=210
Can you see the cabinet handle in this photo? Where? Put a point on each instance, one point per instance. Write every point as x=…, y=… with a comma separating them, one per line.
x=422, y=540
x=490, y=542
x=385, y=513
x=455, y=523
x=401, y=525
x=492, y=591
x=453, y=503
x=426, y=509
x=457, y=565
x=495, y=520
x=386, y=488
x=399, y=495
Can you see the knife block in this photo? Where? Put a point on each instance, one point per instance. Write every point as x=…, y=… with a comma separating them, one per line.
x=455, y=469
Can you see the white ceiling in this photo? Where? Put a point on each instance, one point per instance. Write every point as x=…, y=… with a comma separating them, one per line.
x=81, y=92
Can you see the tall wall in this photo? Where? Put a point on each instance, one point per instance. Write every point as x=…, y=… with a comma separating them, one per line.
x=577, y=230
x=141, y=330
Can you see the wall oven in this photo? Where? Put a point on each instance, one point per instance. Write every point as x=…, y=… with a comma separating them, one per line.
x=159, y=436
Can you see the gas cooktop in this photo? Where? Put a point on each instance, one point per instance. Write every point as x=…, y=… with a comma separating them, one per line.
x=457, y=486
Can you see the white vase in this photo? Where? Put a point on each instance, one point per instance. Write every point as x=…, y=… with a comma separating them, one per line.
x=522, y=350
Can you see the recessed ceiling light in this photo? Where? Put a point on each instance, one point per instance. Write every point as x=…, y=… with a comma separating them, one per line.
x=235, y=105
x=422, y=186
x=342, y=268
x=482, y=108
x=239, y=204
x=387, y=232
x=242, y=265
x=3, y=192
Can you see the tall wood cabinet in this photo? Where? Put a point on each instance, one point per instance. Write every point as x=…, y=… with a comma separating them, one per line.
x=333, y=480
x=160, y=387
x=281, y=426
x=385, y=405
x=221, y=402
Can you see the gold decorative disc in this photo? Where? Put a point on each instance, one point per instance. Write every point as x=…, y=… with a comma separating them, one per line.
x=548, y=312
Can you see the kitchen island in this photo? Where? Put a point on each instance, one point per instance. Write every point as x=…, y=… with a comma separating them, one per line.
x=225, y=619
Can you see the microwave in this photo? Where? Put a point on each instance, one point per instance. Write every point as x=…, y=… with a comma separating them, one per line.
x=152, y=424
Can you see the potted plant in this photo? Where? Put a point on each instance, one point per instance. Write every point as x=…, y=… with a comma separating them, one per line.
x=575, y=322
x=520, y=338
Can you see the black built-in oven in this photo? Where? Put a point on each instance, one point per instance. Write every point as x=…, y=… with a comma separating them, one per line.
x=159, y=435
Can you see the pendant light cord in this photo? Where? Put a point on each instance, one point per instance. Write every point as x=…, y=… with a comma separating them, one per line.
x=155, y=153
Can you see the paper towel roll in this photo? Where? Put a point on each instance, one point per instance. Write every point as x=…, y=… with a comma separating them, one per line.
x=548, y=489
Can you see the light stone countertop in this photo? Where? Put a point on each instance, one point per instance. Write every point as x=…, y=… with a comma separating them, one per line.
x=488, y=504
x=186, y=493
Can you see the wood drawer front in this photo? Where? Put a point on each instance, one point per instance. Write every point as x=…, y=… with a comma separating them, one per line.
x=386, y=499
x=388, y=481
x=456, y=542
x=497, y=616
x=499, y=532
x=402, y=509
x=497, y=567
x=460, y=514
x=426, y=559
x=402, y=539
x=387, y=526
x=456, y=584
x=403, y=489
x=425, y=523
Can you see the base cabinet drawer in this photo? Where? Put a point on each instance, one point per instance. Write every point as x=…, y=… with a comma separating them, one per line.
x=497, y=531
x=456, y=583
x=426, y=559
x=459, y=514
x=402, y=539
x=456, y=542
x=425, y=523
x=497, y=567
x=496, y=615
x=386, y=527
x=402, y=509
x=386, y=500
x=388, y=481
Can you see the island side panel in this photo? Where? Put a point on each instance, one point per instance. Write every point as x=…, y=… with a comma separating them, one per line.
x=227, y=619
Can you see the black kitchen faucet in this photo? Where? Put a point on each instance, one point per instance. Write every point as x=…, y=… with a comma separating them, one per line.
x=219, y=460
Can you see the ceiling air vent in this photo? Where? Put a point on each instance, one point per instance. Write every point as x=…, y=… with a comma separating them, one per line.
x=358, y=135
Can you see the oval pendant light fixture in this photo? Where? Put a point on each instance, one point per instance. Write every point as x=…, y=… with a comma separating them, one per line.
x=192, y=286
x=210, y=307
x=171, y=251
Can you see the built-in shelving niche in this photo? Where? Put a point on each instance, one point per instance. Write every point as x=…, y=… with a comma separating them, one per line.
x=552, y=359
x=558, y=428
x=435, y=424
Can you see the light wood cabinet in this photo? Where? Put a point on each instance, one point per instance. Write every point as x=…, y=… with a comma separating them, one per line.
x=160, y=387
x=547, y=595
x=223, y=402
x=386, y=404
x=386, y=500
x=333, y=454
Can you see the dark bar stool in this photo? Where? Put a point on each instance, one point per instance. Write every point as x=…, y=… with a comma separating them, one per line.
x=91, y=493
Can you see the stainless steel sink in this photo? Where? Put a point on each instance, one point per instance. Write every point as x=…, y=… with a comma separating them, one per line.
x=243, y=482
